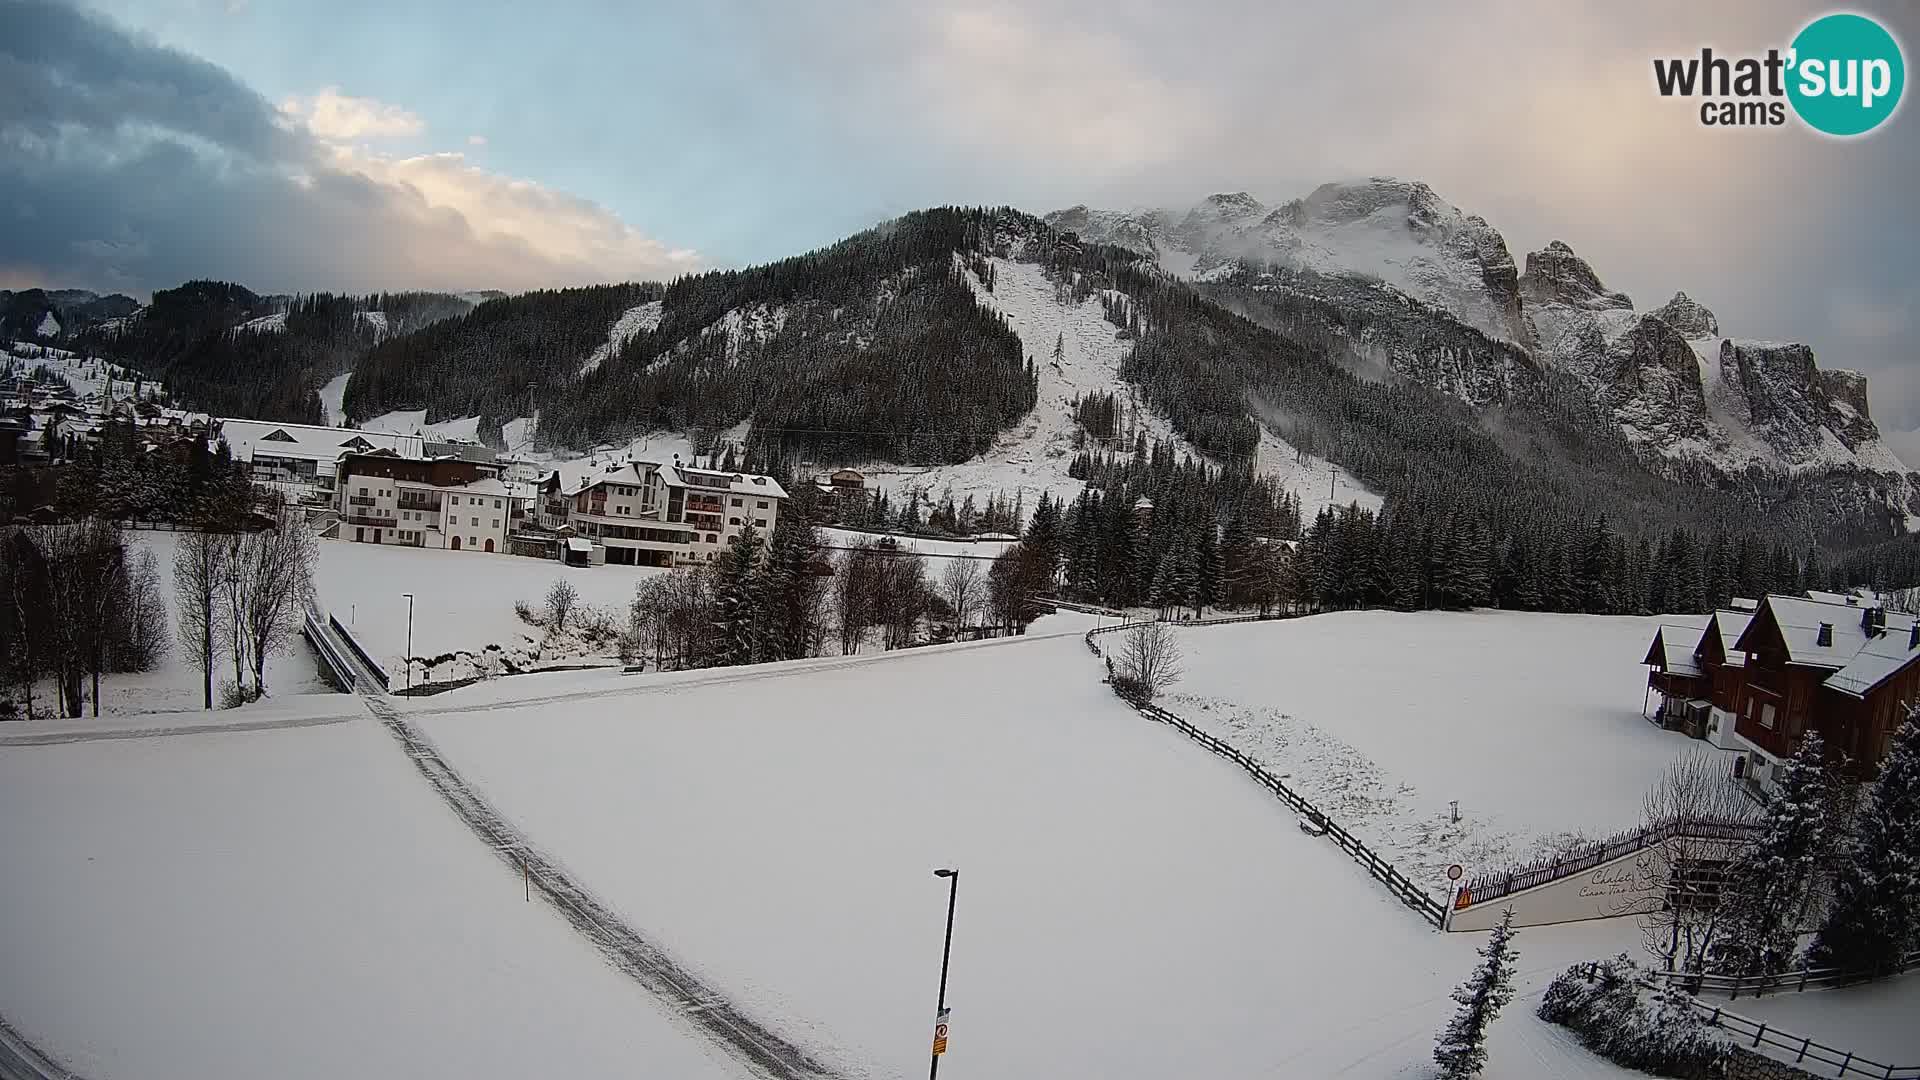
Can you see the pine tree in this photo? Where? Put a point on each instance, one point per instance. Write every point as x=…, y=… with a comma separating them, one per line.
x=1769, y=886
x=1044, y=539
x=733, y=600
x=1461, y=1050
x=1874, y=918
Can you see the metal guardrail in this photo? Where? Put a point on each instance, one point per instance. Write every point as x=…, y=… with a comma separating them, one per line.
x=378, y=673
x=1403, y=889
x=345, y=673
x=1733, y=986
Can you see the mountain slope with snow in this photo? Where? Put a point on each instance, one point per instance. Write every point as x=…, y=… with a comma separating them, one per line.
x=1685, y=394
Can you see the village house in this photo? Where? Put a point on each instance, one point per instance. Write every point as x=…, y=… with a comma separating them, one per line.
x=448, y=503
x=301, y=460
x=1755, y=682
x=642, y=513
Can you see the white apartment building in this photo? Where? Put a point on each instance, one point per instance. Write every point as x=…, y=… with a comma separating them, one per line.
x=647, y=514
x=440, y=503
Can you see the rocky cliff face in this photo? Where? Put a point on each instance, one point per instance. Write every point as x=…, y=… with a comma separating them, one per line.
x=1679, y=388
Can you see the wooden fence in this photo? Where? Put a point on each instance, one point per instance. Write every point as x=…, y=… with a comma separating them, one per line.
x=1427, y=907
x=1805, y=1051
x=1733, y=986
x=1492, y=885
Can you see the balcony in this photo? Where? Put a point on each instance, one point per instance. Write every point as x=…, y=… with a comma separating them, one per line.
x=361, y=500
x=432, y=507
x=369, y=519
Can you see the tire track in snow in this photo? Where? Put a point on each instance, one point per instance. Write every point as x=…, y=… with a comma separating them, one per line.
x=699, y=1005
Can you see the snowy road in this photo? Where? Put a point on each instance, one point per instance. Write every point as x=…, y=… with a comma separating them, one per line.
x=21, y=1060
x=702, y=1007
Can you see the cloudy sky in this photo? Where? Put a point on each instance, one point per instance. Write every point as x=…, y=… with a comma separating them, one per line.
x=361, y=145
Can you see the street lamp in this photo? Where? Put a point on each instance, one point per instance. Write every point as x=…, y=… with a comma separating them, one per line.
x=409, y=657
x=946, y=953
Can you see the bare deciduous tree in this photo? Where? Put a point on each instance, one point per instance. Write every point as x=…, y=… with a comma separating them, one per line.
x=143, y=638
x=562, y=598
x=199, y=569
x=1150, y=656
x=853, y=595
x=278, y=572
x=961, y=583
x=1697, y=790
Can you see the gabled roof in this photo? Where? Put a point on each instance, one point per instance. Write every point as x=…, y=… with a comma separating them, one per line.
x=1877, y=661
x=1673, y=647
x=1797, y=621
x=309, y=441
x=1723, y=632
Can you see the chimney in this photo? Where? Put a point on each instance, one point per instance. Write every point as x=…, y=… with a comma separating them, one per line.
x=1825, y=637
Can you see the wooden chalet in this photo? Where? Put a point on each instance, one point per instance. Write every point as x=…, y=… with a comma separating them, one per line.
x=1847, y=670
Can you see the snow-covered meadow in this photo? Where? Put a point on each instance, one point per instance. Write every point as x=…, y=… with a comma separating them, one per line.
x=1531, y=722
x=462, y=600
x=291, y=903
x=1129, y=905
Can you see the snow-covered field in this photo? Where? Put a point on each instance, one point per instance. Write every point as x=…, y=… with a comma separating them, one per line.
x=291, y=904
x=1130, y=905
x=87, y=376
x=463, y=600
x=414, y=422
x=332, y=400
x=1532, y=722
x=936, y=554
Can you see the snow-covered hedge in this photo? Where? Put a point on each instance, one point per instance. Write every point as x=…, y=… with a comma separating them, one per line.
x=1619, y=1017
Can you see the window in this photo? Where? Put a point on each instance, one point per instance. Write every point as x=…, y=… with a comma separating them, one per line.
x=455, y=499
x=712, y=539
x=761, y=505
x=736, y=502
x=472, y=541
x=473, y=521
x=1766, y=716
x=363, y=491
x=496, y=523
x=733, y=521
x=759, y=523
x=496, y=504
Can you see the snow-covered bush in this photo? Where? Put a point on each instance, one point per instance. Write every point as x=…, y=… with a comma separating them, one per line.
x=525, y=611
x=233, y=695
x=1620, y=1018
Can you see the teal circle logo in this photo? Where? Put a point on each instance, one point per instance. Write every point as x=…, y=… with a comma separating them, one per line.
x=1847, y=74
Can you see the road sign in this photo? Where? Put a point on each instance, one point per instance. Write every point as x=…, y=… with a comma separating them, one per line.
x=940, y=1032
x=1454, y=872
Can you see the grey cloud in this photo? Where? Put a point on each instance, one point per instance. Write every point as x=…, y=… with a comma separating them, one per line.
x=127, y=165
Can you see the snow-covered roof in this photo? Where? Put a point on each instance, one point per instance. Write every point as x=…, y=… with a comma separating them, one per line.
x=1877, y=660
x=1800, y=620
x=310, y=442
x=1677, y=645
x=765, y=487
x=579, y=544
x=1731, y=624
x=1742, y=603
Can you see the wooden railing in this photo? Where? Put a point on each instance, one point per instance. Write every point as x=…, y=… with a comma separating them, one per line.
x=1733, y=986
x=1805, y=1051
x=1492, y=885
x=1404, y=890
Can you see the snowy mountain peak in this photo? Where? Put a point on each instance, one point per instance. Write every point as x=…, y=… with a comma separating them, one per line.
x=1555, y=275
x=1235, y=206
x=1688, y=316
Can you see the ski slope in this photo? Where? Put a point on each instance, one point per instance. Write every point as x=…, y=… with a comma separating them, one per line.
x=1130, y=906
x=333, y=398
x=1033, y=456
x=292, y=904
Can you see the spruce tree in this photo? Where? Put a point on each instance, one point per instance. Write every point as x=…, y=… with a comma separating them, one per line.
x=1874, y=918
x=734, y=607
x=1461, y=1050
x=1769, y=886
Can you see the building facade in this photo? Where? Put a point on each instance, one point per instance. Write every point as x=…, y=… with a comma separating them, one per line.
x=1756, y=682
x=641, y=513
x=444, y=503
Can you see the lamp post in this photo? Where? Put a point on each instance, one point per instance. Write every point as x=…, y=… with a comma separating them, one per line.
x=409, y=657
x=946, y=953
